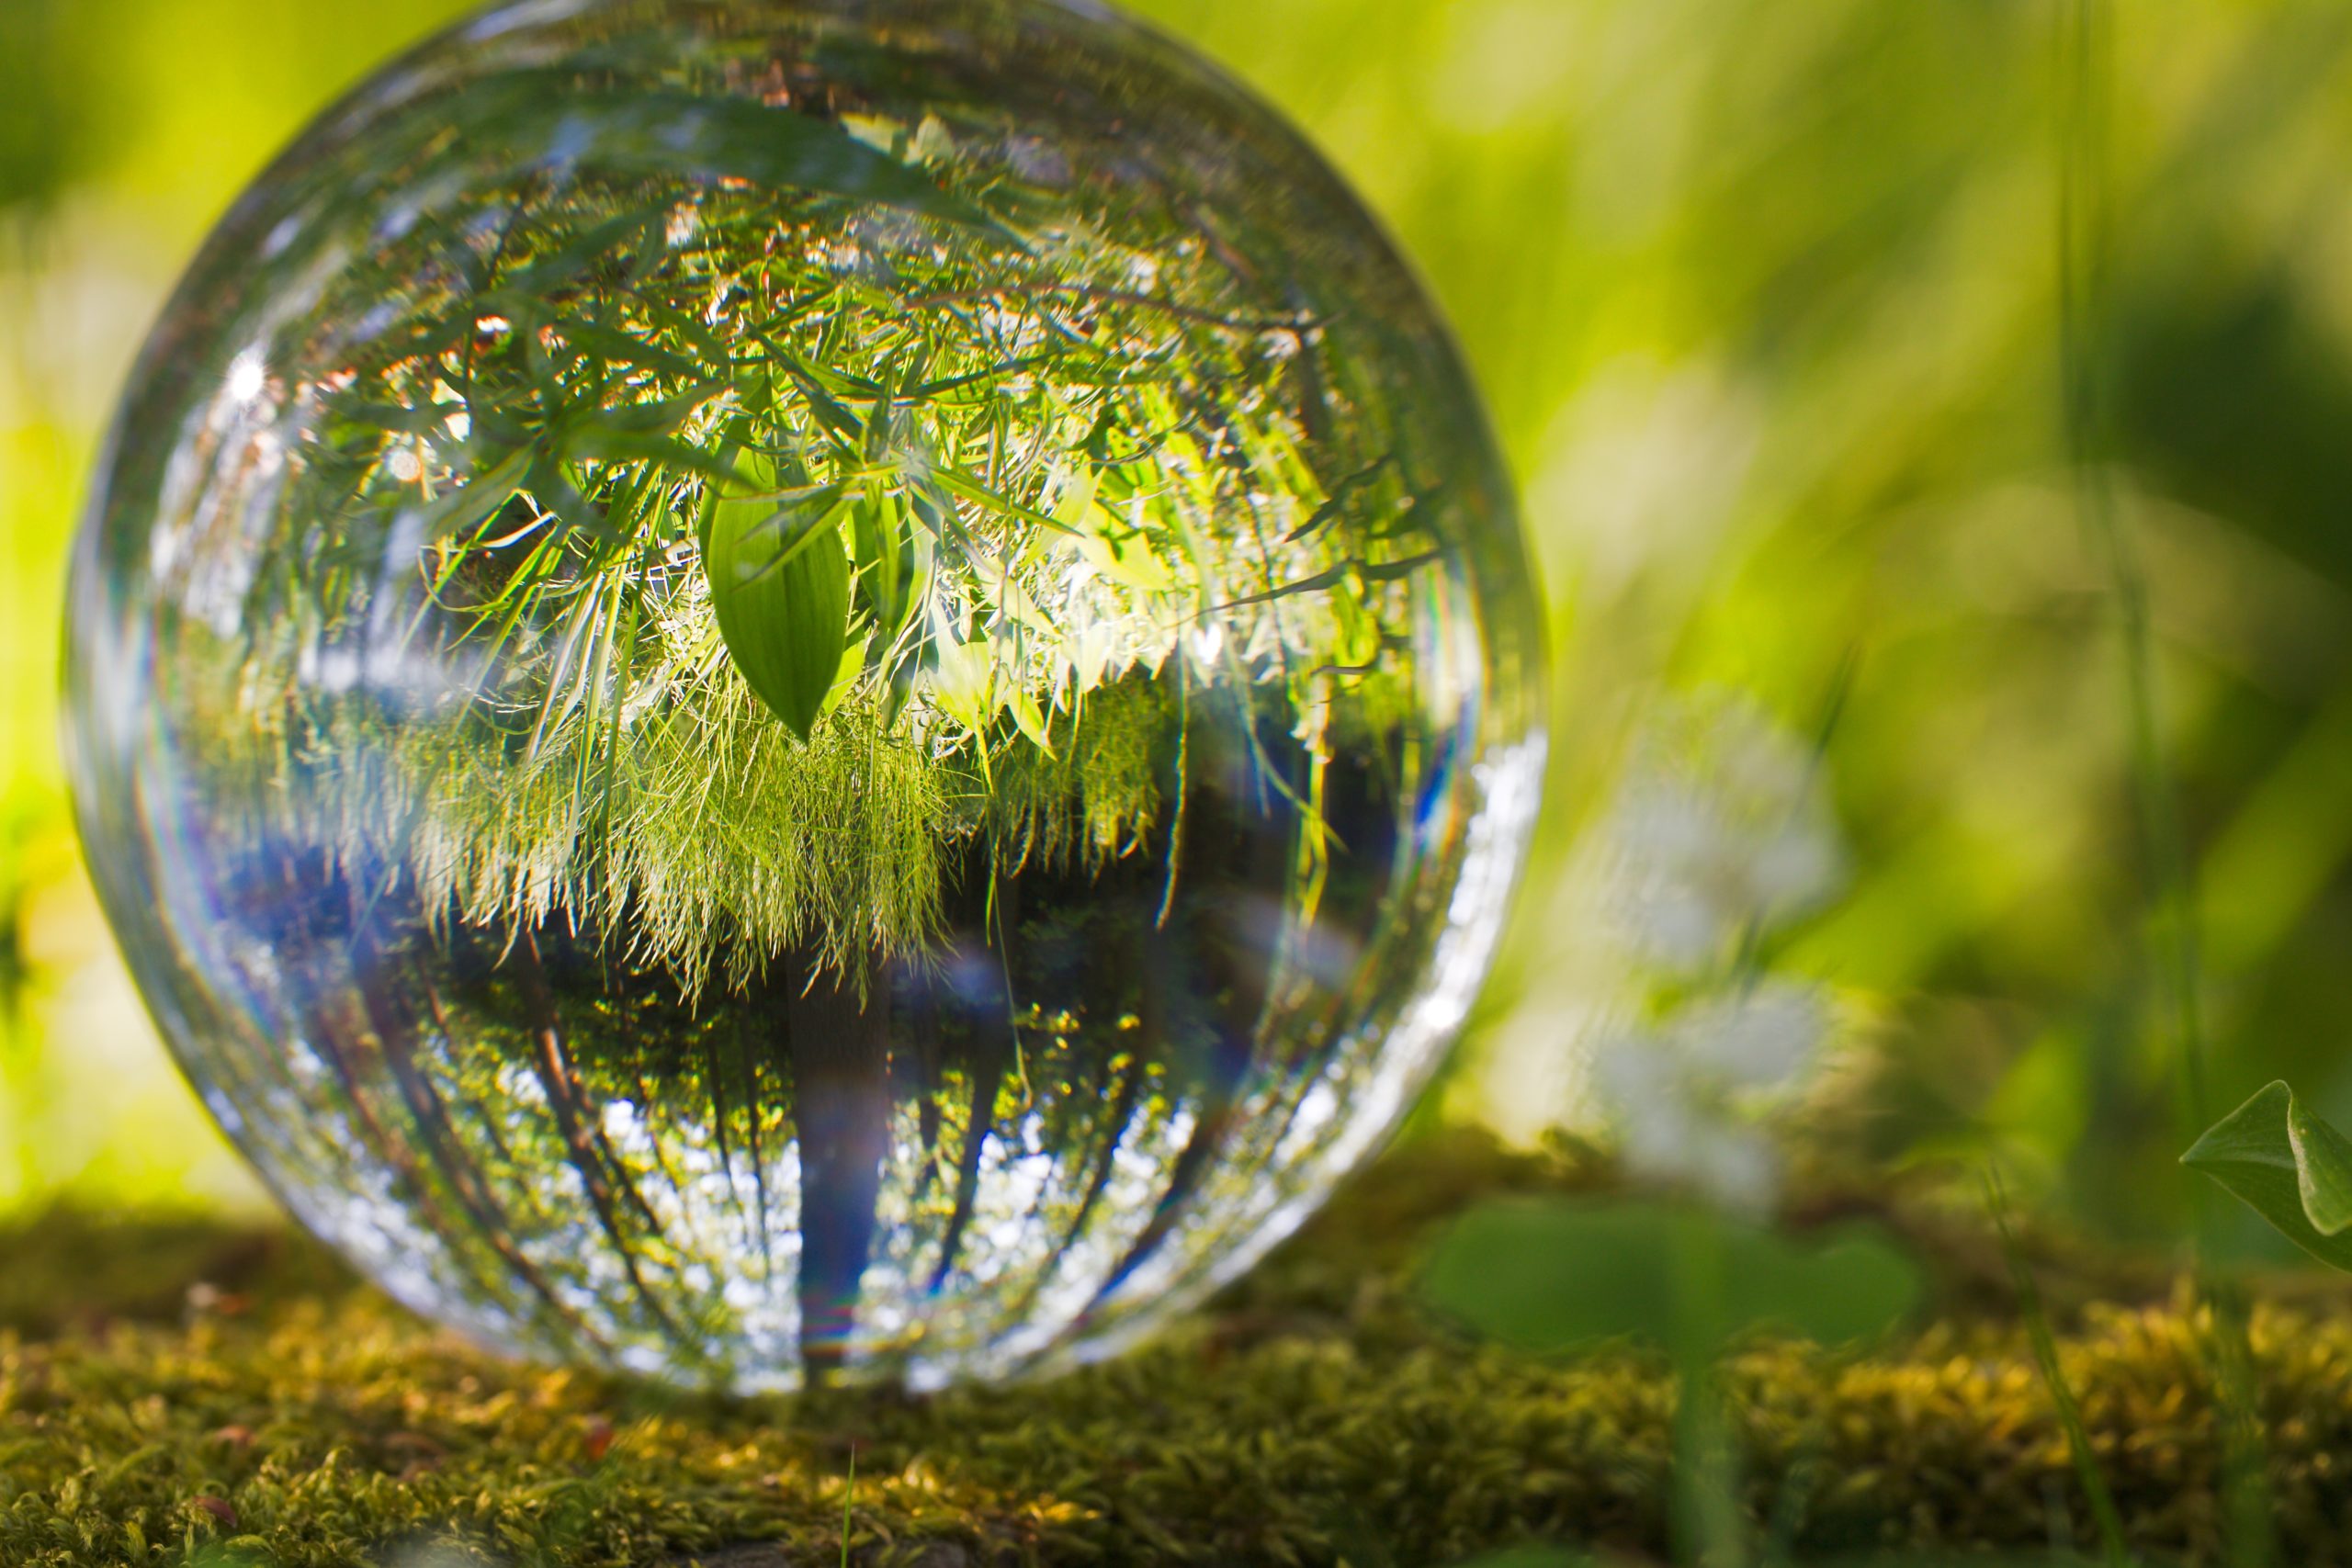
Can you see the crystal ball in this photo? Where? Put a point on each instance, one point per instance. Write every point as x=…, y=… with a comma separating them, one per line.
x=785, y=690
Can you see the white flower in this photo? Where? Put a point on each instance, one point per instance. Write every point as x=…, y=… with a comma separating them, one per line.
x=1789, y=871
x=1758, y=1042
x=1669, y=1136
x=1685, y=1098
x=1718, y=830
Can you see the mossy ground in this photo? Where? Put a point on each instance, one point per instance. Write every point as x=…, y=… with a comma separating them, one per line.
x=175, y=1392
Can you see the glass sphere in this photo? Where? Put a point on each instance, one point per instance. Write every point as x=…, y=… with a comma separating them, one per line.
x=773, y=690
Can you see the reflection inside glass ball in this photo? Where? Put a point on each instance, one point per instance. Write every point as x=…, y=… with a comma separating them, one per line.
x=801, y=690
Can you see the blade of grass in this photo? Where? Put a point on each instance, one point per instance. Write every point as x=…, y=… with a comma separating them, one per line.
x=2053, y=1377
x=849, y=1500
x=2086, y=71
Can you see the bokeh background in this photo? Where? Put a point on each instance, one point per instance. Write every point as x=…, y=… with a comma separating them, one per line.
x=1768, y=299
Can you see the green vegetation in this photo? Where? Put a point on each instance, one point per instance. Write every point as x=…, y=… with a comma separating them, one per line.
x=946, y=496
x=1975, y=373
x=288, y=1421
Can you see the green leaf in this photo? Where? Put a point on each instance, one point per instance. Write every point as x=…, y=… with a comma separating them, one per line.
x=470, y=504
x=1337, y=503
x=422, y=420
x=875, y=439
x=557, y=492
x=880, y=545
x=823, y=405
x=1030, y=718
x=1546, y=1276
x=559, y=268
x=779, y=584
x=607, y=344
x=717, y=360
x=664, y=132
x=1074, y=492
x=2287, y=1166
x=2322, y=1169
x=611, y=445
x=963, y=682
x=1124, y=556
x=959, y=483
x=852, y=665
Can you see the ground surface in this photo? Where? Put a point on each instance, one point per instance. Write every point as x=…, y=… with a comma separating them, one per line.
x=180, y=1391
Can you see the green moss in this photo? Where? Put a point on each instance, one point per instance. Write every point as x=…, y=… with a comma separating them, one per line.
x=285, y=1415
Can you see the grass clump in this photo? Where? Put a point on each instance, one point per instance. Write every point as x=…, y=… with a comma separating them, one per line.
x=279, y=1415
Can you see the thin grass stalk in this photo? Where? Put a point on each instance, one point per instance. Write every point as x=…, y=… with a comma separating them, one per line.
x=2053, y=1377
x=1706, y=1526
x=2084, y=230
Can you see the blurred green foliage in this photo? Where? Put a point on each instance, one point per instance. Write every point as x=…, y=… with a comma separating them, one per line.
x=1548, y=1277
x=1763, y=296
x=50, y=137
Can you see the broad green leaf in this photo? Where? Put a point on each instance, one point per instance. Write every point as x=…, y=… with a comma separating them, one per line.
x=845, y=674
x=936, y=510
x=2287, y=1166
x=779, y=585
x=1090, y=657
x=1014, y=602
x=874, y=544
x=891, y=559
x=919, y=560
x=1358, y=643
x=1546, y=1276
x=961, y=682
